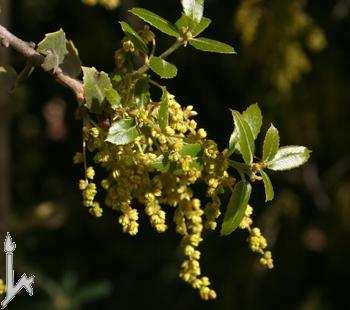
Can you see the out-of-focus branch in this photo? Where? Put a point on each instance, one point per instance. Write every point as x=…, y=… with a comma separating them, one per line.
x=28, y=51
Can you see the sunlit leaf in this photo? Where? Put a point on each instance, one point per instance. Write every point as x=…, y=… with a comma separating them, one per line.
x=289, y=157
x=98, y=86
x=193, y=9
x=271, y=144
x=269, y=193
x=163, y=115
x=54, y=47
x=236, y=207
x=156, y=21
x=186, y=22
x=245, y=137
x=252, y=115
x=209, y=45
x=123, y=132
x=163, y=68
x=191, y=149
x=113, y=98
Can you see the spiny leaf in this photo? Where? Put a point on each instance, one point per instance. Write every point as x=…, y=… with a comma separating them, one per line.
x=97, y=86
x=289, y=157
x=271, y=144
x=123, y=132
x=8, y=77
x=72, y=63
x=245, y=137
x=163, y=115
x=209, y=45
x=156, y=21
x=236, y=207
x=269, y=193
x=193, y=9
x=53, y=46
x=134, y=37
x=195, y=28
x=163, y=68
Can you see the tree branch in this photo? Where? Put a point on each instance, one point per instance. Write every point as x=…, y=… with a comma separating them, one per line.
x=27, y=50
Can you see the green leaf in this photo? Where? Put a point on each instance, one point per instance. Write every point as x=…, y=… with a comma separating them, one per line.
x=135, y=38
x=209, y=45
x=269, y=193
x=8, y=77
x=289, y=157
x=184, y=22
x=271, y=144
x=96, y=86
x=193, y=9
x=233, y=142
x=191, y=149
x=156, y=21
x=163, y=68
x=113, y=98
x=160, y=164
x=252, y=115
x=53, y=46
x=123, y=132
x=236, y=207
x=199, y=28
x=72, y=63
x=245, y=137
x=163, y=115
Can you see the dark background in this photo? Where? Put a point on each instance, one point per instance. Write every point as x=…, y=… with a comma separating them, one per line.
x=308, y=225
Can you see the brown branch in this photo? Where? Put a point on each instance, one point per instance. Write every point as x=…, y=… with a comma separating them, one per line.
x=27, y=50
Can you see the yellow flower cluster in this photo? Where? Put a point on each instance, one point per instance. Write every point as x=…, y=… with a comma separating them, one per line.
x=188, y=219
x=257, y=242
x=108, y=4
x=89, y=190
x=155, y=213
x=247, y=221
x=158, y=170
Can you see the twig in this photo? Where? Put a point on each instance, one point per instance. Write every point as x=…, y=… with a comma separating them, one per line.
x=26, y=49
x=164, y=55
x=172, y=49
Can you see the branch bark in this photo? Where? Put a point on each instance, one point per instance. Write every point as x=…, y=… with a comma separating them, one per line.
x=27, y=50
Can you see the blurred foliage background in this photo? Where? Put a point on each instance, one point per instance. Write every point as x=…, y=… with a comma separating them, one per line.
x=293, y=58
